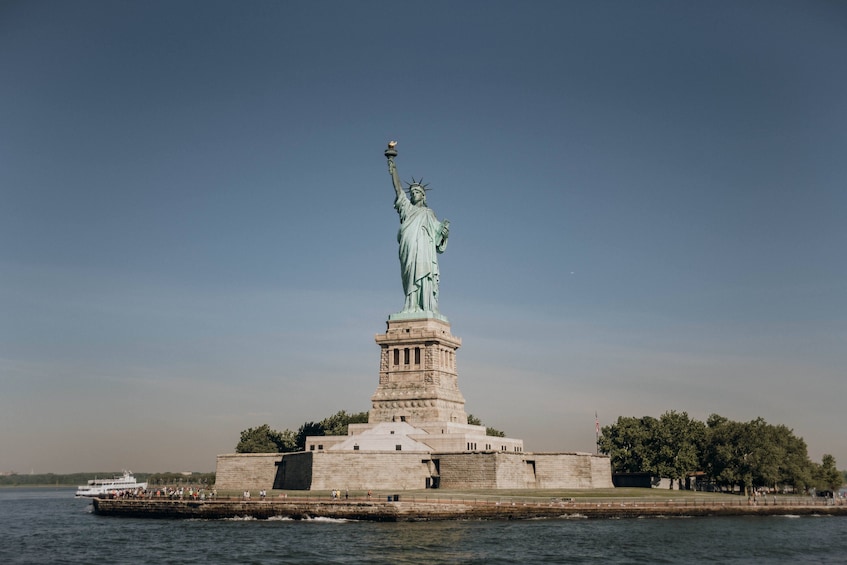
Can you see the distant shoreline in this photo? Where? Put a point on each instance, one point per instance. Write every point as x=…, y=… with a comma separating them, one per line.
x=60, y=485
x=73, y=480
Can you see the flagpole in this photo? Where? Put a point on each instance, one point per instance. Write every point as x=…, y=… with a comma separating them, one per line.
x=596, y=434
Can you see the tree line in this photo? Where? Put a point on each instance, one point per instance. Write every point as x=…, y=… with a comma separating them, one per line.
x=729, y=454
x=76, y=479
x=264, y=439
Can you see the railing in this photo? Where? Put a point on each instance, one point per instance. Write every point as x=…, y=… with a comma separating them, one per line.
x=575, y=503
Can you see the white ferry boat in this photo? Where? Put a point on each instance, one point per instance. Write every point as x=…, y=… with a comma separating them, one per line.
x=102, y=487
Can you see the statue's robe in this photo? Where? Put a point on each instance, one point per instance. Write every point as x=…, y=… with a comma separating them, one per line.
x=420, y=241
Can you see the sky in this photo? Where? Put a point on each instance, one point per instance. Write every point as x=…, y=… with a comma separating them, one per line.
x=197, y=235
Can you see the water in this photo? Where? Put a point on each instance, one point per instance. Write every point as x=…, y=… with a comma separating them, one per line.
x=51, y=526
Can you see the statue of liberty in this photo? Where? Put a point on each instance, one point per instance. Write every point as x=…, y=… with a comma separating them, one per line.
x=421, y=237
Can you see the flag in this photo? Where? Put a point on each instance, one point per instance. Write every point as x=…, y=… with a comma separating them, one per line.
x=596, y=424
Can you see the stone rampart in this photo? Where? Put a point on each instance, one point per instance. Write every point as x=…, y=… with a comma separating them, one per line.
x=294, y=471
x=504, y=470
x=246, y=471
x=359, y=470
x=601, y=471
x=411, y=470
x=571, y=470
x=467, y=470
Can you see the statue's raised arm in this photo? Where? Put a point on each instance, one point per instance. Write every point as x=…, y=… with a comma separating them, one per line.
x=390, y=154
x=421, y=238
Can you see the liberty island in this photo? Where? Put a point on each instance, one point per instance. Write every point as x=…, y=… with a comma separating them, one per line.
x=418, y=443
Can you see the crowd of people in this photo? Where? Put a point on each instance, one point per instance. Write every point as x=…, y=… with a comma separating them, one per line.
x=173, y=493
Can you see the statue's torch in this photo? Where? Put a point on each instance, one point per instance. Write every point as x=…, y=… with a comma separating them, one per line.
x=391, y=152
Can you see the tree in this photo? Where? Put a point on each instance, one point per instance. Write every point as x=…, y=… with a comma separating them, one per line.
x=747, y=455
x=744, y=454
x=720, y=452
x=826, y=476
x=265, y=440
x=489, y=431
x=677, y=443
x=795, y=468
x=336, y=425
x=753, y=454
x=306, y=430
x=286, y=441
x=494, y=432
x=629, y=444
x=763, y=454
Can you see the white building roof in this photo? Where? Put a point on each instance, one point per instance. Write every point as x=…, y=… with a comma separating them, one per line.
x=385, y=436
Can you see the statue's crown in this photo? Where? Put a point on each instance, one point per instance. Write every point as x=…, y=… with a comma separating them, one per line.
x=418, y=184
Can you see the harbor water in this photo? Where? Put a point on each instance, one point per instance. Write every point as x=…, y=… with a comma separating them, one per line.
x=49, y=525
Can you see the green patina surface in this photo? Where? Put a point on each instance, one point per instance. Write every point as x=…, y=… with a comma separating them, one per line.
x=421, y=238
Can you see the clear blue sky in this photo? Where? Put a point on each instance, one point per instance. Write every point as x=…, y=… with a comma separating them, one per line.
x=647, y=205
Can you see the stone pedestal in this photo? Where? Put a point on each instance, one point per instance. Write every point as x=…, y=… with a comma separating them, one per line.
x=418, y=381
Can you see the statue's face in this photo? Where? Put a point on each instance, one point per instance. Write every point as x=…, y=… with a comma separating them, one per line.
x=417, y=195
